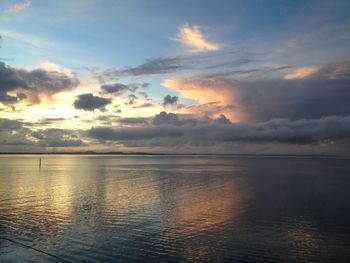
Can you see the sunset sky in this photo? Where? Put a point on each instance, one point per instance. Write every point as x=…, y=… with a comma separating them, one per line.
x=265, y=77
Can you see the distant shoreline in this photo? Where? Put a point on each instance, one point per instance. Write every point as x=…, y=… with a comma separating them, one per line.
x=182, y=154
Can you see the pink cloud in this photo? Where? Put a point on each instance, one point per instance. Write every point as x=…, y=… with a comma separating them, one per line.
x=19, y=7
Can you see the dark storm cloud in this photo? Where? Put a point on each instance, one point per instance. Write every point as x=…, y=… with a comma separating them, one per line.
x=278, y=130
x=170, y=100
x=33, y=82
x=324, y=93
x=90, y=102
x=309, y=98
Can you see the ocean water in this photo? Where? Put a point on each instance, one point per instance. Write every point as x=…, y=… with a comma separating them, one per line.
x=174, y=209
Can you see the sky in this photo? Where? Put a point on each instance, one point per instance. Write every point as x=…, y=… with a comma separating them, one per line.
x=245, y=77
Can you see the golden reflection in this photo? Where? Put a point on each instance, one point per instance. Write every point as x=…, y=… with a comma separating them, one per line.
x=38, y=199
x=197, y=206
x=206, y=206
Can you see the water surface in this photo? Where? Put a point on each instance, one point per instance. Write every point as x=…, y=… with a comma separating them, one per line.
x=174, y=209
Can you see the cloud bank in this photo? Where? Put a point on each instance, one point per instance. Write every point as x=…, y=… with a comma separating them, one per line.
x=323, y=93
x=168, y=130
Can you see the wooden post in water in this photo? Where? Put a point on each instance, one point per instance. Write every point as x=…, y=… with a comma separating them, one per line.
x=40, y=163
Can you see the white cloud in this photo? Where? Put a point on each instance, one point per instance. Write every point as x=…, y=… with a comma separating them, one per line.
x=29, y=39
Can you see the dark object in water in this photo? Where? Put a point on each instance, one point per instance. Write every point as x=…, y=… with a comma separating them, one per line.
x=40, y=163
x=33, y=248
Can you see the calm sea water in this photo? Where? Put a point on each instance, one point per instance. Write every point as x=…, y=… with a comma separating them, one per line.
x=174, y=208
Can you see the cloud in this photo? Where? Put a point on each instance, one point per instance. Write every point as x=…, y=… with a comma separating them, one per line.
x=118, y=88
x=144, y=105
x=128, y=121
x=278, y=131
x=166, y=65
x=13, y=133
x=339, y=71
x=57, y=138
x=46, y=121
x=32, y=40
x=143, y=94
x=210, y=110
x=9, y=80
x=43, y=84
x=10, y=125
x=268, y=98
x=32, y=85
x=52, y=67
x=89, y=102
x=164, y=118
x=203, y=90
x=131, y=100
x=221, y=120
x=301, y=73
x=19, y=7
x=133, y=121
x=193, y=38
x=170, y=100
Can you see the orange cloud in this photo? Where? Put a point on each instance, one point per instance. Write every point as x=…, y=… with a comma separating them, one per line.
x=211, y=91
x=19, y=7
x=214, y=96
x=194, y=38
x=301, y=73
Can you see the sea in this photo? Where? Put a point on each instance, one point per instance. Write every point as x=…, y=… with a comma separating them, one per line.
x=174, y=208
